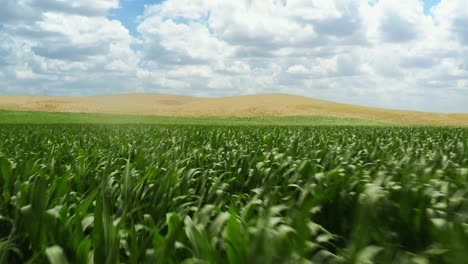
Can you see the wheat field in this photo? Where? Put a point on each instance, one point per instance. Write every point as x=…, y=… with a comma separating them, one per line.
x=239, y=106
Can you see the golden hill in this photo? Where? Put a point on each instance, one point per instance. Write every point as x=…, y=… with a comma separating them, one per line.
x=255, y=105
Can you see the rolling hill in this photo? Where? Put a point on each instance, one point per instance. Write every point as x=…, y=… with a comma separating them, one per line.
x=239, y=106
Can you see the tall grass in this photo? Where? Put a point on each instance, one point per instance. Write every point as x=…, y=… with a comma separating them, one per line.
x=172, y=194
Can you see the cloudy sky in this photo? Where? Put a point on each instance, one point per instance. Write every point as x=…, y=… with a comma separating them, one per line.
x=404, y=54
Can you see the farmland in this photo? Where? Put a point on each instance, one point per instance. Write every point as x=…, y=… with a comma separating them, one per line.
x=266, y=106
x=24, y=117
x=242, y=194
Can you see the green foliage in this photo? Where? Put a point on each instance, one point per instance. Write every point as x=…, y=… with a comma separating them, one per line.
x=225, y=194
x=17, y=117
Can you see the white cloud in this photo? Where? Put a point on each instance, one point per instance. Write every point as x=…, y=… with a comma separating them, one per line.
x=452, y=16
x=61, y=52
x=298, y=69
x=190, y=71
x=401, y=21
x=383, y=53
x=178, y=43
x=76, y=38
x=15, y=11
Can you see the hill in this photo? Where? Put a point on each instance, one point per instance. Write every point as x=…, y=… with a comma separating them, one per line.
x=238, y=106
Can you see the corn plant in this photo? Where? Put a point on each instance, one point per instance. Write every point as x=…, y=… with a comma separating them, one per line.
x=218, y=194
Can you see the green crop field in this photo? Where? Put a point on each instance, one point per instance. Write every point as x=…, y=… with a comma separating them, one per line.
x=18, y=117
x=232, y=194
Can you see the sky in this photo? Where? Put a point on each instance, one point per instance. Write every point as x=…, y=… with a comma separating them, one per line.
x=400, y=54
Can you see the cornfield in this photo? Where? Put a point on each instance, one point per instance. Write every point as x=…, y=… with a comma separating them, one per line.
x=219, y=194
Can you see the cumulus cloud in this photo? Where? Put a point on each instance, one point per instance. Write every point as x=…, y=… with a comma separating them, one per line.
x=14, y=11
x=73, y=37
x=383, y=53
x=31, y=10
x=65, y=48
x=384, y=50
x=452, y=17
x=168, y=42
x=401, y=21
x=82, y=7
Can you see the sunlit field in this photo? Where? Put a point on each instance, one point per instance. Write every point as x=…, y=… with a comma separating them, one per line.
x=245, y=194
x=234, y=132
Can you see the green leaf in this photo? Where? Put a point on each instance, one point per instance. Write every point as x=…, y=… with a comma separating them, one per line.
x=55, y=255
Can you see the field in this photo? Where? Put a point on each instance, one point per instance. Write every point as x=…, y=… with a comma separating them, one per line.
x=24, y=117
x=170, y=193
x=266, y=105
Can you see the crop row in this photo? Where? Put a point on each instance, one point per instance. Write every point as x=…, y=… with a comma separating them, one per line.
x=171, y=194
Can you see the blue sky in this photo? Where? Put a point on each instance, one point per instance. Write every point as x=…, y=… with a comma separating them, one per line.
x=428, y=4
x=403, y=54
x=130, y=9
x=128, y=12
